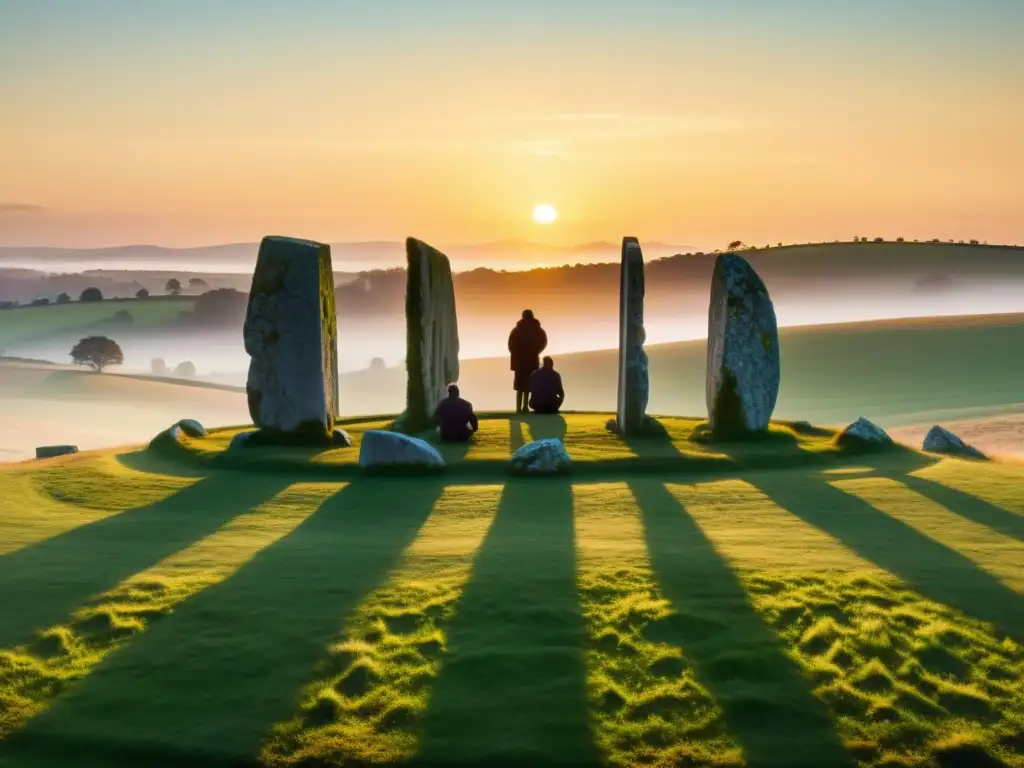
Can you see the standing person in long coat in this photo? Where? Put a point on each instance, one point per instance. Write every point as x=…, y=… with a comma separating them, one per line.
x=525, y=344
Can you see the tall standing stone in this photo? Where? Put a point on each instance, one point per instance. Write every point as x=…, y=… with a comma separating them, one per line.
x=634, y=377
x=432, y=333
x=743, y=350
x=291, y=334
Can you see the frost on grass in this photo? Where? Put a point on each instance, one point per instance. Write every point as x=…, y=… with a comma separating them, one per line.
x=648, y=707
x=34, y=673
x=371, y=693
x=910, y=681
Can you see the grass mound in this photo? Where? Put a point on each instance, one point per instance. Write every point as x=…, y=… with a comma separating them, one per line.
x=668, y=444
x=160, y=609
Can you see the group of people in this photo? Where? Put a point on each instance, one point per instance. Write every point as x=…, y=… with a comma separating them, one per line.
x=537, y=384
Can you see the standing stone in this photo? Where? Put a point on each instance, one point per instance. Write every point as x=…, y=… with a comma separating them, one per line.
x=743, y=350
x=634, y=377
x=291, y=334
x=432, y=333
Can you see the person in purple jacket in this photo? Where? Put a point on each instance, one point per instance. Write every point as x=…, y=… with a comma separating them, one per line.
x=456, y=421
x=546, y=392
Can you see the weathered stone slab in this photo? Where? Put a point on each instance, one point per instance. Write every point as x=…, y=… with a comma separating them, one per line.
x=432, y=333
x=743, y=370
x=52, y=451
x=291, y=335
x=941, y=440
x=634, y=377
x=863, y=433
x=541, y=457
x=382, y=449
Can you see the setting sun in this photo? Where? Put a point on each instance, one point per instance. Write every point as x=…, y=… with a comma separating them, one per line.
x=544, y=214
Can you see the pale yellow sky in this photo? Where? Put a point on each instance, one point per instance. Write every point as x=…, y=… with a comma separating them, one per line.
x=150, y=131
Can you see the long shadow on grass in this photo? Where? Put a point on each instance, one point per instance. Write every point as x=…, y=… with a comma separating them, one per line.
x=211, y=679
x=43, y=583
x=926, y=565
x=766, y=701
x=512, y=685
x=547, y=426
x=966, y=506
x=515, y=434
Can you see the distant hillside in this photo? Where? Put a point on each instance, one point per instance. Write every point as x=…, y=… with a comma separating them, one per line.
x=895, y=372
x=347, y=257
x=679, y=284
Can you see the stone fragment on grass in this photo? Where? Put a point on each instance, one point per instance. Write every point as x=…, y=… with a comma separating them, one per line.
x=52, y=451
x=240, y=440
x=864, y=433
x=291, y=337
x=192, y=428
x=541, y=457
x=380, y=448
x=743, y=371
x=940, y=440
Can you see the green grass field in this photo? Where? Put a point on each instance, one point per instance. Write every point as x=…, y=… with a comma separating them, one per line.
x=23, y=325
x=832, y=610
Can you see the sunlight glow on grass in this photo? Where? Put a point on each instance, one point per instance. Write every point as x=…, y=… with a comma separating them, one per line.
x=643, y=694
x=33, y=674
x=1000, y=555
x=371, y=692
x=35, y=506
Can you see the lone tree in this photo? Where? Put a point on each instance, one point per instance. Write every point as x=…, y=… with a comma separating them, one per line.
x=185, y=370
x=63, y=299
x=174, y=286
x=197, y=284
x=736, y=245
x=91, y=294
x=97, y=352
x=142, y=293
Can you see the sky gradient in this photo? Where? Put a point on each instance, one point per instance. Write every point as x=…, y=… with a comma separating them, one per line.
x=683, y=121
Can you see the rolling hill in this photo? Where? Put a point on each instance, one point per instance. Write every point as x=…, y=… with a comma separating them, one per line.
x=904, y=373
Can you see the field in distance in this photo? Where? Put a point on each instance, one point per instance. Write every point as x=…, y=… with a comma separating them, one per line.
x=899, y=373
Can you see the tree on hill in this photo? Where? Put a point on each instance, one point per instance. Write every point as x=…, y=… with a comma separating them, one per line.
x=63, y=299
x=185, y=370
x=879, y=239
x=142, y=293
x=197, y=284
x=91, y=294
x=173, y=286
x=97, y=352
x=158, y=366
x=736, y=245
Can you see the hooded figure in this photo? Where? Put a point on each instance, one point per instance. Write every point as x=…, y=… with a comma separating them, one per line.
x=525, y=344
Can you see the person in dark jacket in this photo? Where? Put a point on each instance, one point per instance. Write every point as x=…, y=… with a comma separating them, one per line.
x=525, y=344
x=546, y=393
x=455, y=418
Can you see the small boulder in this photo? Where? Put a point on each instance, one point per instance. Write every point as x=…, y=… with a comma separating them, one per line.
x=865, y=434
x=240, y=440
x=52, y=451
x=380, y=448
x=541, y=457
x=939, y=440
x=192, y=428
x=342, y=439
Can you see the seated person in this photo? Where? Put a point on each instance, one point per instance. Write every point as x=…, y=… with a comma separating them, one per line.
x=455, y=418
x=546, y=393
